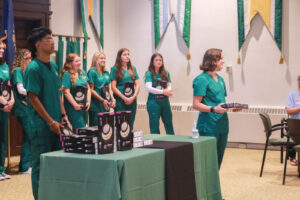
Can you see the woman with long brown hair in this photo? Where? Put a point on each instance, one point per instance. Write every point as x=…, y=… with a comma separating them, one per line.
x=73, y=77
x=99, y=80
x=20, y=110
x=6, y=105
x=158, y=84
x=125, y=83
x=209, y=95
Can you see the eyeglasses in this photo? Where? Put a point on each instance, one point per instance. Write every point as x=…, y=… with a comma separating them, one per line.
x=28, y=58
x=48, y=39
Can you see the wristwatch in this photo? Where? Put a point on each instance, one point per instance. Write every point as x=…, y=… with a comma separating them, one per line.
x=212, y=109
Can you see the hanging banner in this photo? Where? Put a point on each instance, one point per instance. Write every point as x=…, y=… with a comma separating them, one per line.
x=271, y=13
x=164, y=11
x=7, y=34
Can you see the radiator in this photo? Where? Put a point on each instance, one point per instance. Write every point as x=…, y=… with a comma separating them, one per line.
x=244, y=127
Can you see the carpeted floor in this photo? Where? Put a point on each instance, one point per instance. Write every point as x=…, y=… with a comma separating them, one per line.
x=239, y=178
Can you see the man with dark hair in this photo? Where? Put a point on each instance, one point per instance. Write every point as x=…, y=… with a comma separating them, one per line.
x=46, y=108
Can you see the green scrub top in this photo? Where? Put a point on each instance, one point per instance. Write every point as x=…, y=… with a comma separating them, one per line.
x=19, y=109
x=149, y=78
x=45, y=83
x=214, y=93
x=4, y=73
x=126, y=78
x=66, y=82
x=98, y=80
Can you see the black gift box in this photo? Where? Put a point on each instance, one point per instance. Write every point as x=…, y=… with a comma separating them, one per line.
x=106, y=132
x=66, y=130
x=124, y=133
x=5, y=92
x=81, y=95
x=161, y=84
x=129, y=89
x=105, y=93
x=234, y=106
x=90, y=131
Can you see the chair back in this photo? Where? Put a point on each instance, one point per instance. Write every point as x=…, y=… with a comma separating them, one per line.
x=266, y=122
x=294, y=129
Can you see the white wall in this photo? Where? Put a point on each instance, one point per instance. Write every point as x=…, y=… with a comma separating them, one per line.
x=260, y=80
x=66, y=20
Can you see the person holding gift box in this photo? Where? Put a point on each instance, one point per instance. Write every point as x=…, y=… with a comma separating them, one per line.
x=6, y=106
x=99, y=80
x=209, y=96
x=76, y=91
x=158, y=84
x=125, y=84
x=20, y=110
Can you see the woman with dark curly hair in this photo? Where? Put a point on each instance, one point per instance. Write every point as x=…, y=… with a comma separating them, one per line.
x=20, y=110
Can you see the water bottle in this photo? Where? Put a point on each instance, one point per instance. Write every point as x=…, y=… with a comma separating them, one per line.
x=195, y=131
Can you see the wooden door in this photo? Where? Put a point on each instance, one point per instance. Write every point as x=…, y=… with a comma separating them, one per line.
x=28, y=14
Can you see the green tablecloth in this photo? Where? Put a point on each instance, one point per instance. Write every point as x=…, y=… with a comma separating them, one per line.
x=138, y=174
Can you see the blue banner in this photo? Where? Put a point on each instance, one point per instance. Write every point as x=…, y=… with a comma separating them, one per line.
x=7, y=34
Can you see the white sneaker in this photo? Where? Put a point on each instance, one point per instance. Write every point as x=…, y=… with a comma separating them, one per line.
x=1, y=177
x=27, y=172
x=5, y=176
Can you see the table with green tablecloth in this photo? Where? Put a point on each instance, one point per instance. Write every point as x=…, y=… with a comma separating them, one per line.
x=138, y=174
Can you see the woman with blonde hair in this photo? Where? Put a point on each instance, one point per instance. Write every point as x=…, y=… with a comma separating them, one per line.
x=124, y=73
x=6, y=105
x=73, y=77
x=20, y=110
x=99, y=80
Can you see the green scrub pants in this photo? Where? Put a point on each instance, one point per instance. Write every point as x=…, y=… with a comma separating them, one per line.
x=25, y=157
x=157, y=109
x=121, y=106
x=3, y=139
x=221, y=144
x=41, y=142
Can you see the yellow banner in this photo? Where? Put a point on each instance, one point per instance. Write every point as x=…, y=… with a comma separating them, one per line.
x=263, y=7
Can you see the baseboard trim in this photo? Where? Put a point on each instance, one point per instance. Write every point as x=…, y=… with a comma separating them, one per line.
x=251, y=146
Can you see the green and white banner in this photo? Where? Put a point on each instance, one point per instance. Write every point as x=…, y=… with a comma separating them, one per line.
x=183, y=19
x=164, y=11
x=162, y=17
x=269, y=10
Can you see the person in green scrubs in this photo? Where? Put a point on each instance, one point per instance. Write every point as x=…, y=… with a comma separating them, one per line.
x=4, y=113
x=123, y=71
x=209, y=95
x=99, y=77
x=73, y=76
x=20, y=110
x=46, y=107
x=158, y=108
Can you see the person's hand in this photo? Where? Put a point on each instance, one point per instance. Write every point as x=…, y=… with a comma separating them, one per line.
x=126, y=101
x=219, y=109
x=3, y=101
x=113, y=103
x=77, y=106
x=87, y=106
x=168, y=92
x=105, y=104
x=55, y=127
x=129, y=100
x=8, y=107
x=66, y=120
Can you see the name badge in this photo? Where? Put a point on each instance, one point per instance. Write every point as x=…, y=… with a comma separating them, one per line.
x=5, y=71
x=297, y=98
